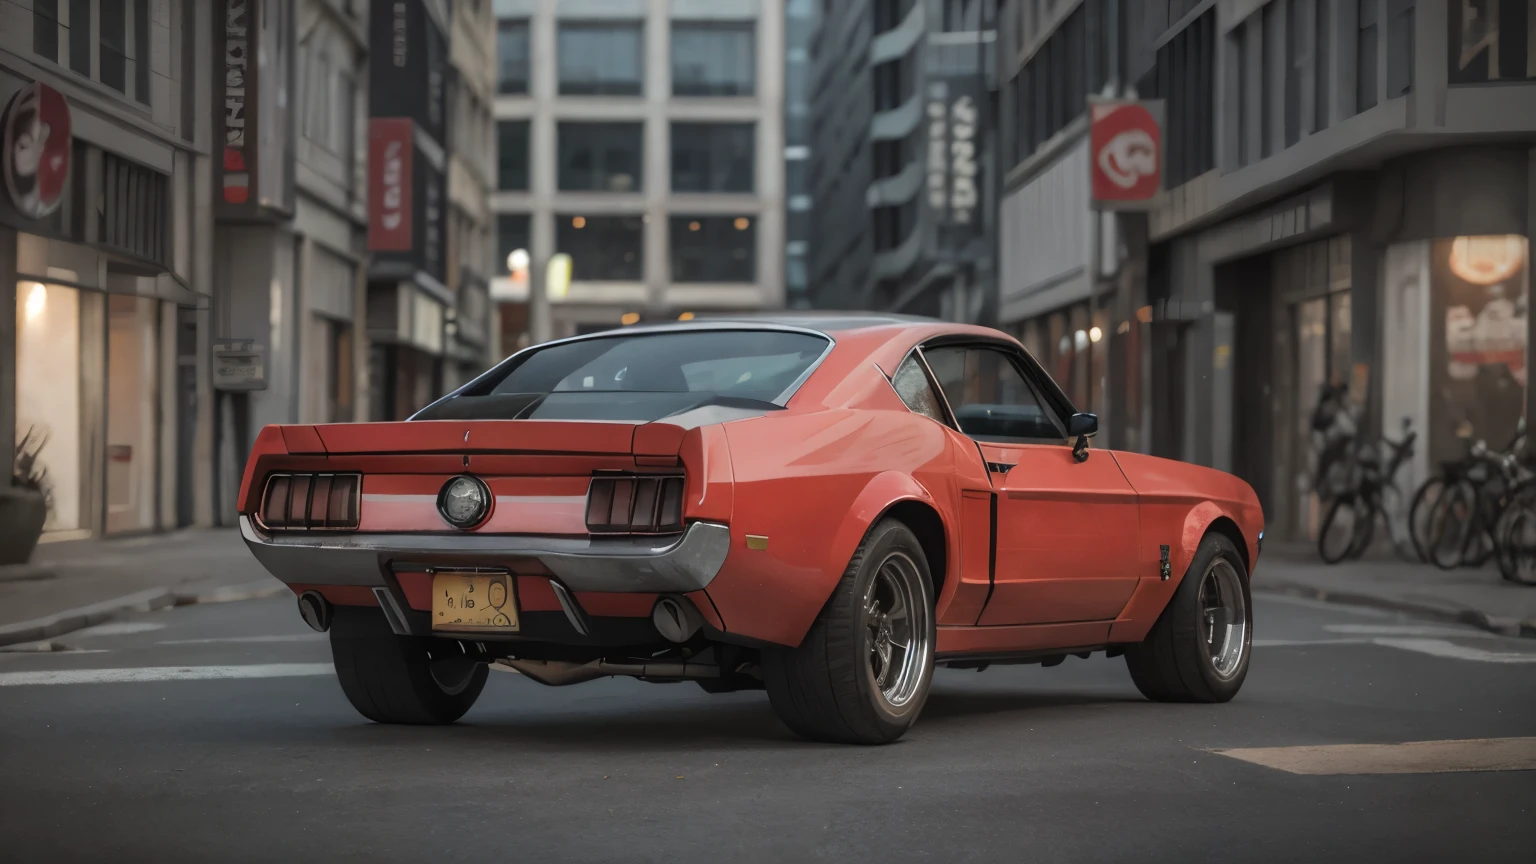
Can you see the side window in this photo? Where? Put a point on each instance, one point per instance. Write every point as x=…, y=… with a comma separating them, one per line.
x=990, y=397
x=912, y=386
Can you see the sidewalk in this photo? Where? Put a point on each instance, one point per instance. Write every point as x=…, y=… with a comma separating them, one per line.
x=1478, y=597
x=77, y=584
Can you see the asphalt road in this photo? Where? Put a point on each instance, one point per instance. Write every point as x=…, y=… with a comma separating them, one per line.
x=1017, y=764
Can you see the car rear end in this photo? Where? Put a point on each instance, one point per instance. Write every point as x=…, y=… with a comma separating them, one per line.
x=565, y=513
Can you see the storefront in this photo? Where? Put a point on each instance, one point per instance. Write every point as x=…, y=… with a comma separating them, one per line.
x=95, y=393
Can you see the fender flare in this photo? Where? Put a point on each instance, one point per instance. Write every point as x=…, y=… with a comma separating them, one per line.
x=880, y=494
x=1197, y=523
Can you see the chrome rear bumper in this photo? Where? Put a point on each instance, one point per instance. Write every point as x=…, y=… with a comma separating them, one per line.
x=640, y=565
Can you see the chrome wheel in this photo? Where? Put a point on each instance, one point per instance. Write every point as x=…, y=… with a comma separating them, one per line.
x=896, y=630
x=1224, y=617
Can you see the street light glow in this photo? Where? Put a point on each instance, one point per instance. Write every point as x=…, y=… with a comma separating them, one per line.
x=1095, y=334
x=629, y=318
x=579, y=222
x=517, y=260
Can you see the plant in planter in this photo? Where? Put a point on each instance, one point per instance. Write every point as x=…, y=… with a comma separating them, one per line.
x=26, y=501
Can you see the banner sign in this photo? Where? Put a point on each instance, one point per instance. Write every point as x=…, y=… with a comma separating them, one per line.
x=35, y=129
x=1125, y=153
x=253, y=119
x=391, y=155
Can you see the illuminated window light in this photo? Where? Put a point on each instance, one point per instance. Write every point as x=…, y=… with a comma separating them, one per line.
x=629, y=318
x=743, y=223
x=1095, y=334
x=37, y=301
x=1487, y=260
x=686, y=316
x=579, y=222
x=694, y=225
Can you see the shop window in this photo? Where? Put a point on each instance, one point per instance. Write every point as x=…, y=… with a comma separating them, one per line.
x=600, y=157
x=512, y=57
x=713, y=157
x=713, y=59
x=602, y=247
x=512, y=155
x=600, y=59
x=133, y=412
x=48, y=391
x=714, y=248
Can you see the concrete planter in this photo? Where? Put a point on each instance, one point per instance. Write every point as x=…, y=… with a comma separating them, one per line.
x=22, y=512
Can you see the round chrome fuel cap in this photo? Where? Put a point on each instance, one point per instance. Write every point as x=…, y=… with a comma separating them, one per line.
x=464, y=502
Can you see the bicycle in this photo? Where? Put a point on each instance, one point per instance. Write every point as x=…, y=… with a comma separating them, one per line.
x=1355, y=508
x=1515, y=533
x=1456, y=489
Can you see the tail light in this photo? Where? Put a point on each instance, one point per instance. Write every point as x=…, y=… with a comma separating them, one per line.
x=635, y=505
x=311, y=502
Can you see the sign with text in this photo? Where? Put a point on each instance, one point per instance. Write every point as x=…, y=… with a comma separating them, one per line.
x=239, y=364
x=35, y=129
x=953, y=172
x=391, y=154
x=253, y=128
x=1125, y=153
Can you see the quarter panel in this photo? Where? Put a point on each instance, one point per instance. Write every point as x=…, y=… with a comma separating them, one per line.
x=812, y=484
x=1179, y=502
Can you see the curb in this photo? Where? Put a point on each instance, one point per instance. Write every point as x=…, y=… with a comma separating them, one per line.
x=26, y=573
x=1473, y=617
x=70, y=620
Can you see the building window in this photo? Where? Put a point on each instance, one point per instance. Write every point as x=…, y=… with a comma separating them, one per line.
x=714, y=249
x=712, y=157
x=602, y=248
x=512, y=56
x=1488, y=41
x=600, y=59
x=713, y=59
x=512, y=155
x=600, y=157
x=1400, y=47
x=1295, y=61
x=893, y=83
x=513, y=232
x=1185, y=70
x=1268, y=84
x=1322, y=53
x=1365, y=57
x=118, y=49
x=45, y=29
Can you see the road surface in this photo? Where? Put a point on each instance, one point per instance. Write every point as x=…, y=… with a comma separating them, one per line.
x=218, y=733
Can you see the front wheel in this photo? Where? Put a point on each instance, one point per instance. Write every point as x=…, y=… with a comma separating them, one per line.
x=861, y=675
x=395, y=679
x=1346, y=529
x=1198, y=649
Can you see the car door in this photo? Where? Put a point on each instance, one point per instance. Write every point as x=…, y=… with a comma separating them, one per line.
x=1067, y=530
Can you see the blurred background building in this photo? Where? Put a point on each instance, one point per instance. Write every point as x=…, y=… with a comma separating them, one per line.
x=801, y=18
x=1348, y=193
x=640, y=162
x=902, y=137
x=106, y=238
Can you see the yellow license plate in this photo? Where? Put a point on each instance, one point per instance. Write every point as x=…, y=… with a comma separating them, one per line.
x=473, y=601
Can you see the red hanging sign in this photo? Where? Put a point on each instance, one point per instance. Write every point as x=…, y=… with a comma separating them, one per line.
x=1125, y=153
x=391, y=150
x=35, y=129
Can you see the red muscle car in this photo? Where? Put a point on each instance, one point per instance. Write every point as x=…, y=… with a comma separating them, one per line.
x=822, y=507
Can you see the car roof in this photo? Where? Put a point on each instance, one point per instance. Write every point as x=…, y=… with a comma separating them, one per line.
x=820, y=321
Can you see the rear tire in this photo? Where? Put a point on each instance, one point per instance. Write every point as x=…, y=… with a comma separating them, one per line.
x=832, y=687
x=391, y=679
x=1179, y=661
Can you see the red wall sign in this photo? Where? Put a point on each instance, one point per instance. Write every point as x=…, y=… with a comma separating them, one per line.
x=1126, y=153
x=35, y=130
x=391, y=150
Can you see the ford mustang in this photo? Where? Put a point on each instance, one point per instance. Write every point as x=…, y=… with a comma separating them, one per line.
x=825, y=508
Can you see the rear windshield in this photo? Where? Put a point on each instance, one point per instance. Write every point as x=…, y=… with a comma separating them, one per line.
x=642, y=376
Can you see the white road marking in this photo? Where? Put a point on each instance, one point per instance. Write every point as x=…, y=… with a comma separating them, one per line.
x=1412, y=757
x=1408, y=630
x=286, y=637
x=1285, y=643
x=1442, y=648
x=118, y=628
x=164, y=673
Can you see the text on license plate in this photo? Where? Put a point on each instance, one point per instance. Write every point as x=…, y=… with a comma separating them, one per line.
x=467, y=601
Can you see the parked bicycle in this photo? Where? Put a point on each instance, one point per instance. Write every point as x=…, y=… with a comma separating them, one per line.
x=1455, y=517
x=1360, y=482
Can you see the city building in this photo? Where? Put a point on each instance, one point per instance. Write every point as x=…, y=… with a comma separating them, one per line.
x=1347, y=199
x=470, y=329
x=903, y=105
x=640, y=162
x=290, y=202
x=409, y=301
x=105, y=257
x=801, y=18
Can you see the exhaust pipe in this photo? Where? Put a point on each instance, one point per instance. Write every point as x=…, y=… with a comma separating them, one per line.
x=315, y=610
x=559, y=673
x=676, y=619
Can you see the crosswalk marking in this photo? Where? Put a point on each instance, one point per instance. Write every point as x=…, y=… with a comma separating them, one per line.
x=1442, y=648
x=164, y=673
x=1412, y=757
